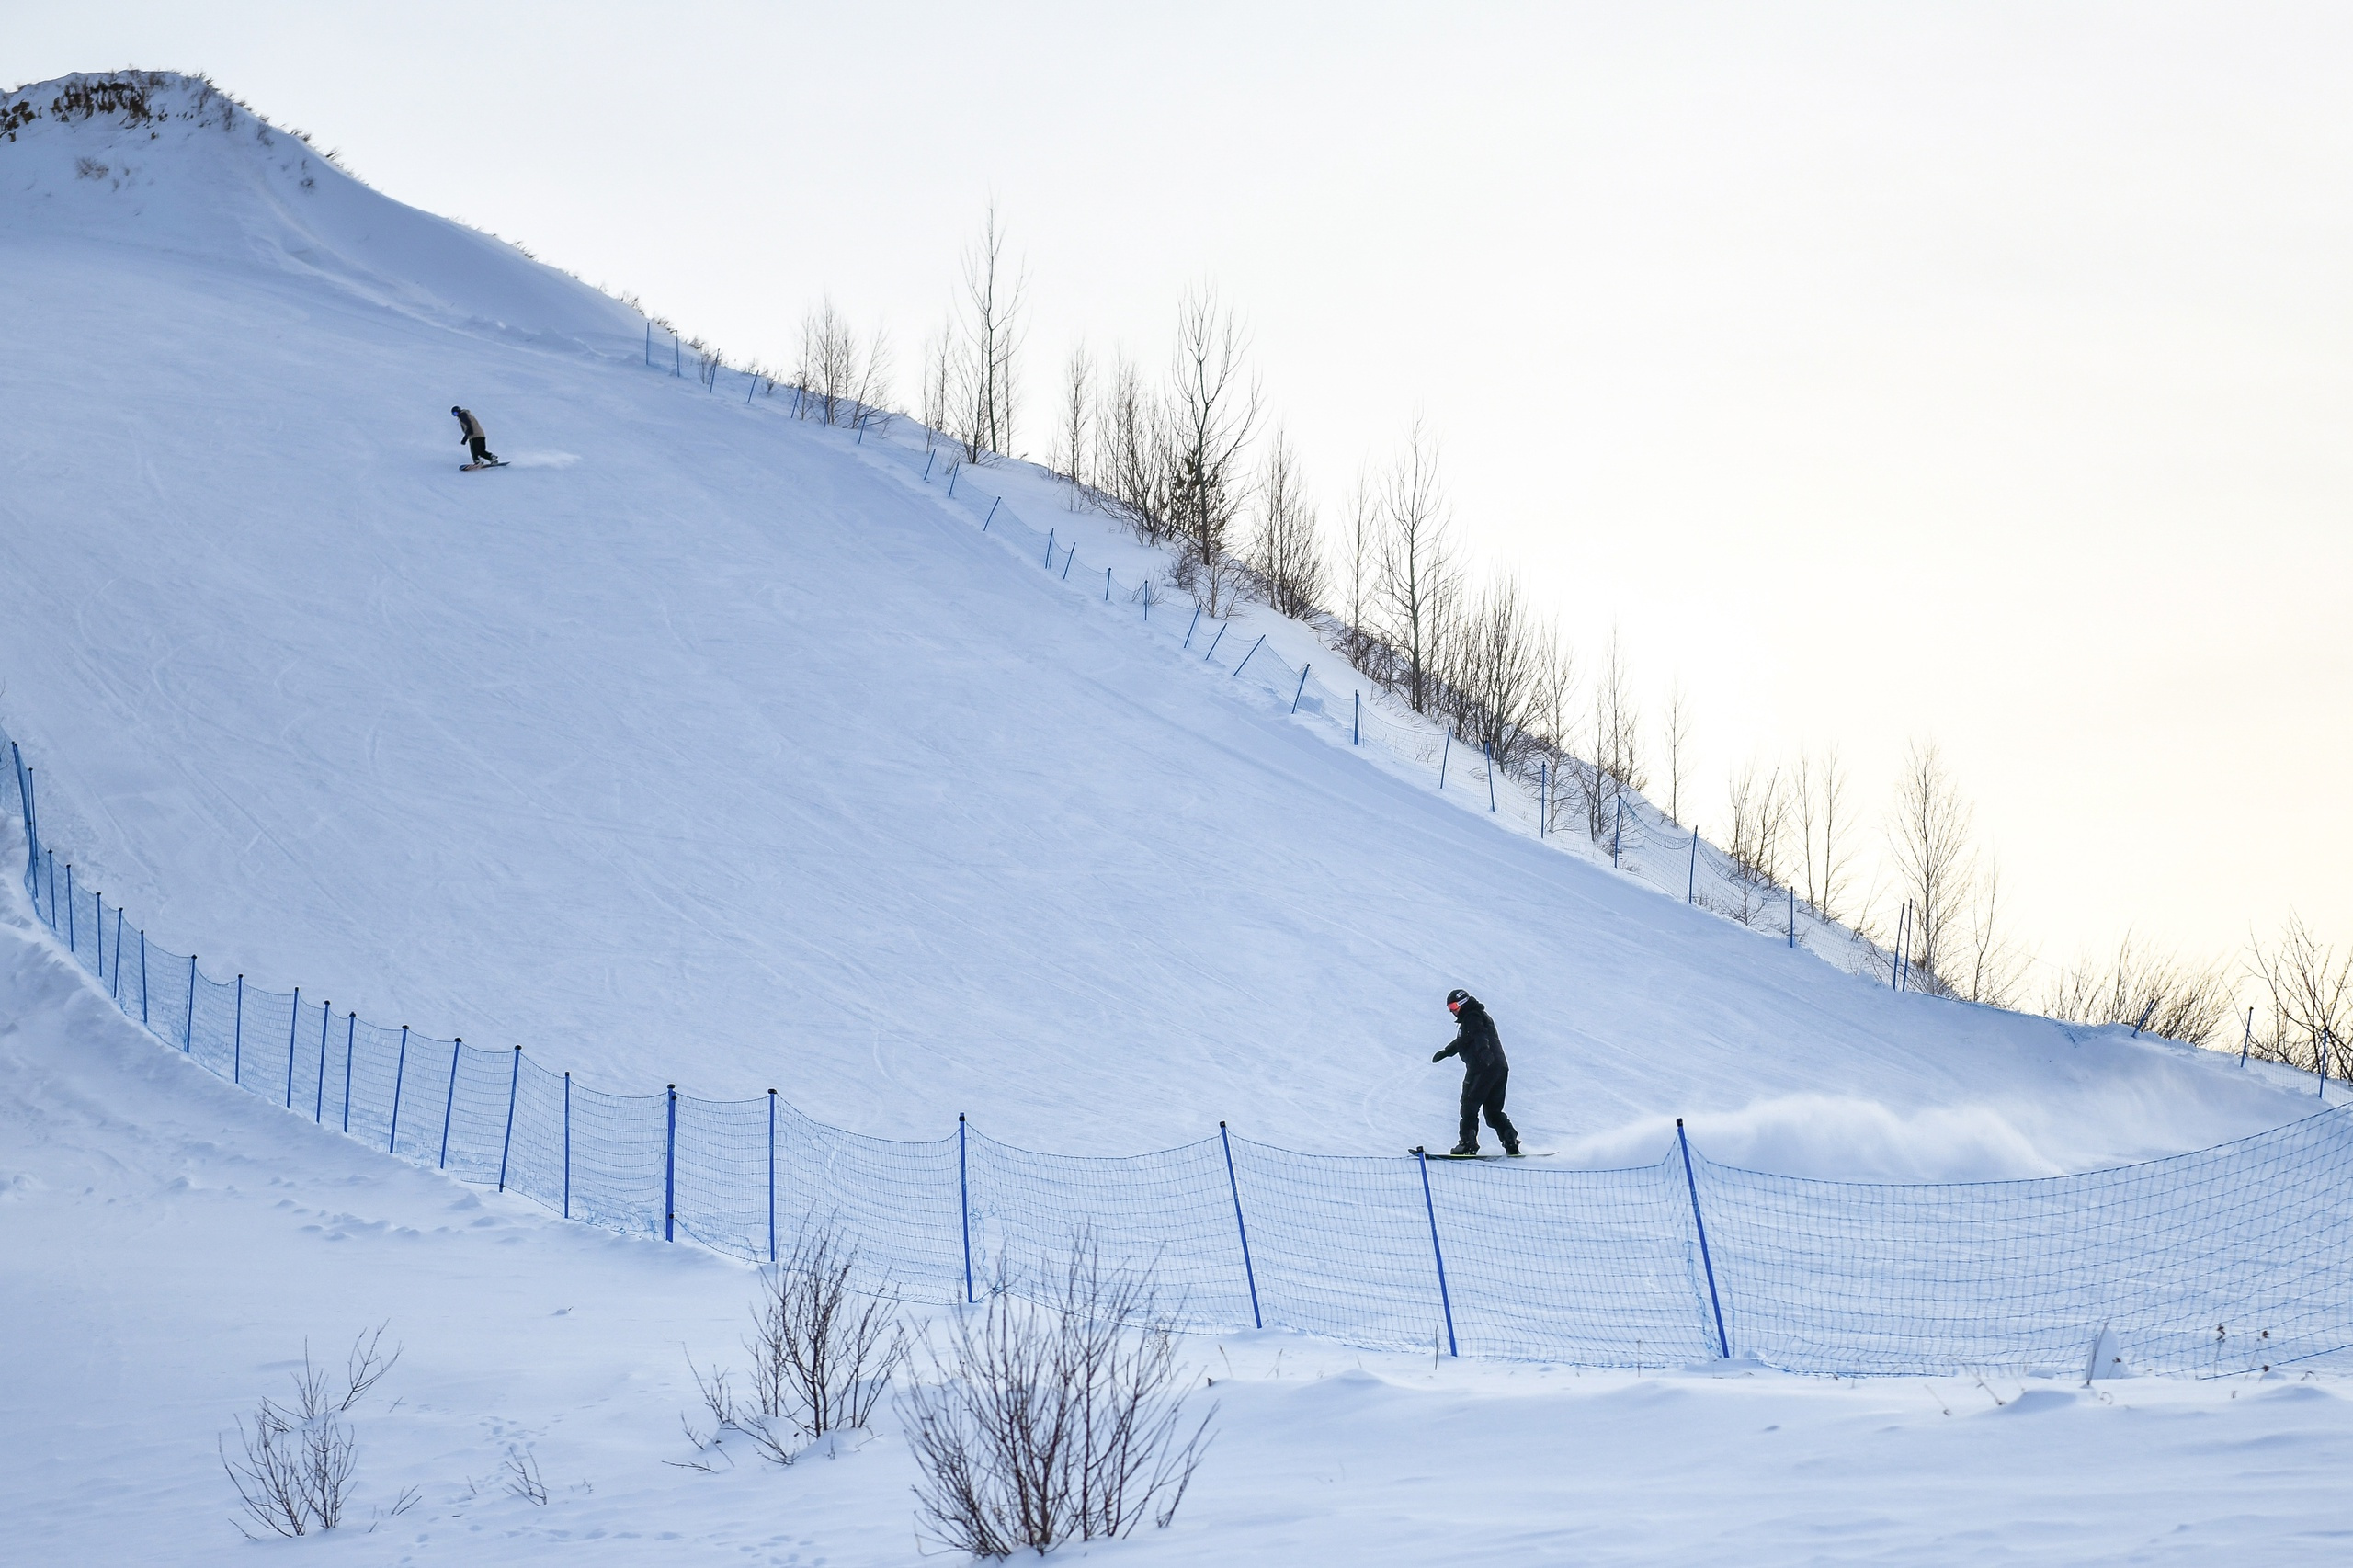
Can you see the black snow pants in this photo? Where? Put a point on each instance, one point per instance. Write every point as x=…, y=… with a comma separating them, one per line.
x=481, y=451
x=1484, y=1092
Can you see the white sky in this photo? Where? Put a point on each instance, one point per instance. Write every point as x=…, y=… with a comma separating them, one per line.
x=1970, y=373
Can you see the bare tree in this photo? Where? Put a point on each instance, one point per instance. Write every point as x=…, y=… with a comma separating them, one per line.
x=1129, y=451
x=2311, y=987
x=1993, y=963
x=1058, y=1420
x=1678, y=737
x=1418, y=584
x=991, y=326
x=841, y=380
x=1928, y=836
x=1820, y=802
x=1360, y=574
x=1074, y=435
x=1617, y=765
x=1213, y=410
x=1286, y=553
x=939, y=384
x=1494, y=665
x=1760, y=810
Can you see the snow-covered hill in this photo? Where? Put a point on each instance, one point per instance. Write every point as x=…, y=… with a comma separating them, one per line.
x=702, y=746
x=705, y=745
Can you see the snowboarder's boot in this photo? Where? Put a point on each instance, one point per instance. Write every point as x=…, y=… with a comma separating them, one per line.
x=1466, y=1147
x=1511, y=1150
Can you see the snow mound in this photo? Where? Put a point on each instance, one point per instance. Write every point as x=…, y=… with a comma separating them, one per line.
x=168, y=161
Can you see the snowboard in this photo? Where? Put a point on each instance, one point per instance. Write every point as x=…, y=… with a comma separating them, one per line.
x=469, y=467
x=1523, y=1155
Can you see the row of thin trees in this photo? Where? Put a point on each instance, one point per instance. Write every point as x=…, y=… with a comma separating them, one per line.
x=1190, y=458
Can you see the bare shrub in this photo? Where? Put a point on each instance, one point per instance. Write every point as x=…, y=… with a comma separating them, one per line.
x=1056, y=1420
x=822, y=1353
x=842, y=380
x=984, y=354
x=2154, y=993
x=1678, y=739
x=1130, y=451
x=1074, y=431
x=523, y=1479
x=2311, y=988
x=294, y=1464
x=1760, y=810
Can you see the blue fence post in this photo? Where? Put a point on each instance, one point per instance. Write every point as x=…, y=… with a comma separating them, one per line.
x=1543, y=796
x=294, y=1027
x=1106, y=584
x=567, y=1144
x=1903, y=928
x=771, y=1175
x=53, y=888
x=1692, y=1184
x=1248, y=1273
x=350, y=1039
x=237, y=1043
x=964, y=1206
x=1356, y=721
x=928, y=458
x=71, y=945
x=1205, y=657
x=1192, y=626
x=1793, y=916
x=1487, y=748
x=952, y=470
x=1302, y=688
x=1050, y=544
x=102, y=900
x=649, y=346
x=1691, y=883
x=1618, y=829
x=670, y=1169
x=1252, y=653
x=2248, y=1043
x=400, y=1073
x=449, y=1101
x=319, y=1095
x=187, y=1041
x=117, y=976
x=2322, y=1087
x=992, y=517
x=1445, y=1302
x=514, y=1082
x=1445, y=755
x=1070, y=559
x=748, y=399
x=142, y=977
x=678, y=356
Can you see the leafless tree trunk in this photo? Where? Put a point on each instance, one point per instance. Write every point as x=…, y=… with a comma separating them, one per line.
x=1494, y=664
x=1418, y=583
x=1678, y=747
x=1929, y=838
x=1129, y=451
x=1821, y=806
x=1286, y=553
x=1617, y=738
x=939, y=384
x=1993, y=962
x=1759, y=824
x=990, y=340
x=841, y=381
x=1074, y=437
x=1360, y=574
x=1213, y=410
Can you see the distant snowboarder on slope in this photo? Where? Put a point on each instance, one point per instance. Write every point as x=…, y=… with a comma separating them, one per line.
x=469, y=432
x=1484, y=1072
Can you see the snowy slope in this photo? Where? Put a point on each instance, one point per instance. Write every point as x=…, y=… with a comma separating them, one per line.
x=702, y=746
x=190, y=1238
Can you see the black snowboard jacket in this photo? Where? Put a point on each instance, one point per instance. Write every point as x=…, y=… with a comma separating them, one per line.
x=469, y=428
x=1476, y=1042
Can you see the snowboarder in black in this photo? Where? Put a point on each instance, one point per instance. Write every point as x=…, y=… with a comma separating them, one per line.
x=469, y=432
x=1484, y=1072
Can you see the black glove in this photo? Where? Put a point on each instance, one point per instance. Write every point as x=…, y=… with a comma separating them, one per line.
x=1438, y=1056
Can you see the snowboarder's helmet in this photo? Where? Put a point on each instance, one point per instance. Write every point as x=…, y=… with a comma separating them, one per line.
x=455, y=409
x=1455, y=998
